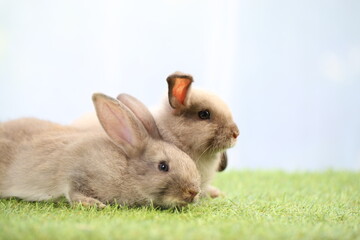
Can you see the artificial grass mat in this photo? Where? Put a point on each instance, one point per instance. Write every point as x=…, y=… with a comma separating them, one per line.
x=258, y=205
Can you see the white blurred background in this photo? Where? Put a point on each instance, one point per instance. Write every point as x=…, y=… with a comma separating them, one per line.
x=290, y=70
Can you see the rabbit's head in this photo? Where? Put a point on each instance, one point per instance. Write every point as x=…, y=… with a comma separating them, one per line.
x=158, y=172
x=199, y=121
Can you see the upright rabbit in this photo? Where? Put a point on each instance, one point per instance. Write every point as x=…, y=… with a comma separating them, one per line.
x=199, y=123
x=127, y=163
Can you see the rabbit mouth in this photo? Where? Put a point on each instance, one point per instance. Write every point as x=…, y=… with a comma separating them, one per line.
x=169, y=200
x=180, y=203
x=219, y=145
x=173, y=203
x=224, y=138
x=185, y=198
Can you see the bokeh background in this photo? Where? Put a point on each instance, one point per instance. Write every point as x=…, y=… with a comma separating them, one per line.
x=290, y=70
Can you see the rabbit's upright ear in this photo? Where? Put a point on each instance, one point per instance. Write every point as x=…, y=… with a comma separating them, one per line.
x=120, y=124
x=179, y=85
x=142, y=113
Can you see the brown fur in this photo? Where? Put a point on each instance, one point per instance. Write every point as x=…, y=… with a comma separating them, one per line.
x=42, y=160
x=203, y=140
x=223, y=162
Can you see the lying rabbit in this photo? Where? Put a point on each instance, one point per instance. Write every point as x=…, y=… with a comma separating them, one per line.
x=127, y=163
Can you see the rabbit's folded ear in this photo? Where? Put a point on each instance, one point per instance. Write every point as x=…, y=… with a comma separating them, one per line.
x=179, y=85
x=120, y=124
x=142, y=113
x=223, y=162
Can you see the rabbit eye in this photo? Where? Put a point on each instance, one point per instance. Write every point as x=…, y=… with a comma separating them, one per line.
x=204, y=114
x=163, y=166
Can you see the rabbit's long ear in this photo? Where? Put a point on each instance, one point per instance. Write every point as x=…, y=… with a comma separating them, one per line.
x=120, y=124
x=179, y=85
x=142, y=113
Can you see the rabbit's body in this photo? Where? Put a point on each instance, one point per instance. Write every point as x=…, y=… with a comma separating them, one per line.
x=14, y=133
x=49, y=171
x=89, y=167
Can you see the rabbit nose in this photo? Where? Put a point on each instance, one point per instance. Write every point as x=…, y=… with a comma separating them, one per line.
x=235, y=132
x=192, y=194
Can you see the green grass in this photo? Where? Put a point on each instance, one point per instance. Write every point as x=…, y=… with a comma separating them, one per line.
x=258, y=205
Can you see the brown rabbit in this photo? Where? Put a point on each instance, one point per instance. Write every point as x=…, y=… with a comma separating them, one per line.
x=127, y=163
x=200, y=124
x=196, y=121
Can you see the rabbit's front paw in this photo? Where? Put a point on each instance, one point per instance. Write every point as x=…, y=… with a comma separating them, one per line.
x=78, y=198
x=214, y=192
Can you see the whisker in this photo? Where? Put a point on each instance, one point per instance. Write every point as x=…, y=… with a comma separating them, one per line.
x=203, y=153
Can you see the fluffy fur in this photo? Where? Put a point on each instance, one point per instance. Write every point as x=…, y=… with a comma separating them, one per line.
x=204, y=140
x=40, y=160
x=177, y=118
